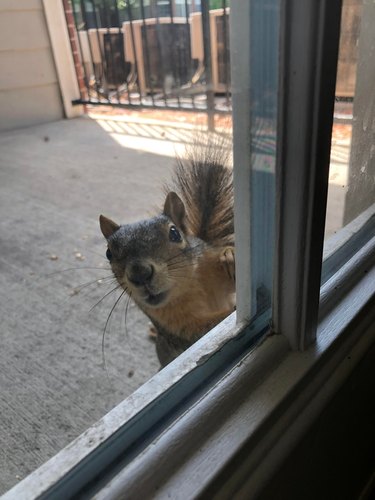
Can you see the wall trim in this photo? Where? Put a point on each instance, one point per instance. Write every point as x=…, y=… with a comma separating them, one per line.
x=62, y=53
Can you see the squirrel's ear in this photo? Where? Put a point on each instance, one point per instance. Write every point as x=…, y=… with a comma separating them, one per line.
x=175, y=209
x=107, y=226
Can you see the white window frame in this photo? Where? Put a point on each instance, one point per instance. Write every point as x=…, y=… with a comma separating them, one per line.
x=245, y=406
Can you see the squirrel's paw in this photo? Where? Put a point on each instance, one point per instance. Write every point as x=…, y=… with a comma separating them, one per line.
x=228, y=262
x=152, y=332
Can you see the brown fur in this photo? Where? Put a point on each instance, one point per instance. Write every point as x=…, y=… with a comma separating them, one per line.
x=184, y=285
x=203, y=298
x=204, y=183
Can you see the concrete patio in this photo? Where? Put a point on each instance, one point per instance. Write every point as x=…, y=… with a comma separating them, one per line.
x=55, y=180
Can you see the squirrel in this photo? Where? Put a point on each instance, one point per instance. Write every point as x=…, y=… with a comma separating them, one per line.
x=178, y=266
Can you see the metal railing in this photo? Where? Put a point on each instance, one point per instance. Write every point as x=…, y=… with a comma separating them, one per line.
x=156, y=56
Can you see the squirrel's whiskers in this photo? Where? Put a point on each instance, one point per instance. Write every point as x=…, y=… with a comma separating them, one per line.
x=117, y=287
x=105, y=330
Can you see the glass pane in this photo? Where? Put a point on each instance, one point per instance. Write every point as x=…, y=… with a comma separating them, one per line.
x=254, y=122
x=74, y=345
x=351, y=196
x=264, y=83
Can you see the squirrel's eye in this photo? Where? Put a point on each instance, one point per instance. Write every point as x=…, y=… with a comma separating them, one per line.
x=108, y=254
x=174, y=234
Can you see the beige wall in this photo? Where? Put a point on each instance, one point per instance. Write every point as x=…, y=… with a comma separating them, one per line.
x=29, y=89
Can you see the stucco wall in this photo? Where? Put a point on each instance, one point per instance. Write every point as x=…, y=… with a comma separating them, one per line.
x=29, y=89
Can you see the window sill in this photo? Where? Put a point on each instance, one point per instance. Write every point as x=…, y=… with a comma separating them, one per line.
x=235, y=433
x=238, y=433
x=126, y=427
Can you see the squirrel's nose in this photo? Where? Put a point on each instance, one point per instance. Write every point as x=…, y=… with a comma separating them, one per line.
x=140, y=273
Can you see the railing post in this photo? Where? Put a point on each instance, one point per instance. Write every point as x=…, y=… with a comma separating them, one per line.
x=207, y=64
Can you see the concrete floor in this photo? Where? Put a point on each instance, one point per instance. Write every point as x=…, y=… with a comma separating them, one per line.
x=55, y=180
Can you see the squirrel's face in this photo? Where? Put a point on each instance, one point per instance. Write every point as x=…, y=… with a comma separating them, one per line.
x=150, y=257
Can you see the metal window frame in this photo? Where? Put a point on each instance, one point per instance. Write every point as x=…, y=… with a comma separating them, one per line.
x=310, y=30
x=226, y=437
x=242, y=175
x=254, y=79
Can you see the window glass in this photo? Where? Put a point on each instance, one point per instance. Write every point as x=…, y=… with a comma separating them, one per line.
x=264, y=80
x=74, y=344
x=351, y=195
x=254, y=127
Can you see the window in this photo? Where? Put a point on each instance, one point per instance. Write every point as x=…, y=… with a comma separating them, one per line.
x=227, y=404
x=350, y=211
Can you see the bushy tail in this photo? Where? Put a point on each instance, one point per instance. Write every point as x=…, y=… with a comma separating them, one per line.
x=204, y=183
